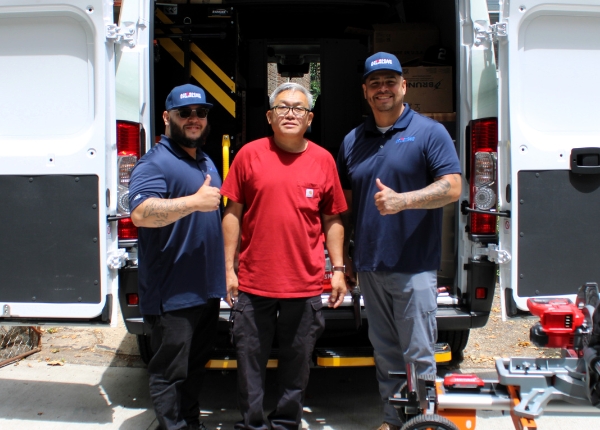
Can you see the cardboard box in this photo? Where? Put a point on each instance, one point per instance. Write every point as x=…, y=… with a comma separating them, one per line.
x=429, y=89
x=406, y=41
x=448, y=120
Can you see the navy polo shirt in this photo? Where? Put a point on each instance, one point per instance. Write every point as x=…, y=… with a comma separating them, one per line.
x=414, y=151
x=183, y=264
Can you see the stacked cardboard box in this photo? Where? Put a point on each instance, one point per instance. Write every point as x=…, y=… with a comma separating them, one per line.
x=407, y=41
x=429, y=89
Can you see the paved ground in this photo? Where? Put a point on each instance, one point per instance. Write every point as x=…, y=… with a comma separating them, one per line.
x=87, y=378
x=34, y=395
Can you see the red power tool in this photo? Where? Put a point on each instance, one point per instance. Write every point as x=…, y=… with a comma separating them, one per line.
x=562, y=324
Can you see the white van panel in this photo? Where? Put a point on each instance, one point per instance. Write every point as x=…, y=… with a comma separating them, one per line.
x=557, y=85
x=133, y=86
x=57, y=131
x=549, y=106
x=478, y=99
x=49, y=80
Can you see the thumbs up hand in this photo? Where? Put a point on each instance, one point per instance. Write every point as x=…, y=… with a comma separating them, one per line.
x=388, y=202
x=207, y=197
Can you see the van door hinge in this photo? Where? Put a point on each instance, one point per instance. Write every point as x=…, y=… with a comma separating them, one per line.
x=492, y=32
x=492, y=252
x=120, y=34
x=6, y=311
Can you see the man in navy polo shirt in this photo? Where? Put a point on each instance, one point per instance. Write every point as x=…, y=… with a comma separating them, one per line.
x=398, y=169
x=174, y=199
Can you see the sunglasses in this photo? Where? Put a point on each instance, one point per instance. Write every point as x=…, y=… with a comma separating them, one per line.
x=187, y=112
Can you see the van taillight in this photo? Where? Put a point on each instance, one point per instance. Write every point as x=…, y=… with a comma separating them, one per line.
x=128, y=152
x=127, y=230
x=132, y=299
x=483, y=189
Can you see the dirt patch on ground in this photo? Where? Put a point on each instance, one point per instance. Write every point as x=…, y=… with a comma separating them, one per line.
x=111, y=347
x=115, y=347
x=502, y=339
x=95, y=346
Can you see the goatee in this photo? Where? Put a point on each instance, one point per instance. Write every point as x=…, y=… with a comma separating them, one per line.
x=178, y=136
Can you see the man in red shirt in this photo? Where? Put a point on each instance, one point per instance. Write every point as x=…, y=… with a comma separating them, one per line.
x=283, y=194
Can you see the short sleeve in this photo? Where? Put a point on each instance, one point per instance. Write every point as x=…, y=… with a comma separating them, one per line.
x=334, y=201
x=441, y=153
x=232, y=187
x=147, y=180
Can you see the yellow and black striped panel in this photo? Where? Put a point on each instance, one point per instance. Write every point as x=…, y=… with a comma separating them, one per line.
x=360, y=357
x=355, y=357
x=198, y=64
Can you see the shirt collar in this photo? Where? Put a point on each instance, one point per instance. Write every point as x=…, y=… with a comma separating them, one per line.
x=178, y=150
x=400, y=124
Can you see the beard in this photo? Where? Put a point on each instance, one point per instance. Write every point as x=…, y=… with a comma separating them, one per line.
x=178, y=136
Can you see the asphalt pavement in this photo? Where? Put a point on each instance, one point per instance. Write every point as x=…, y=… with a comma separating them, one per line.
x=72, y=385
x=35, y=395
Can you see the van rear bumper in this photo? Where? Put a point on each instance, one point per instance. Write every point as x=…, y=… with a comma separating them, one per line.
x=450, y=319
x=340, y=320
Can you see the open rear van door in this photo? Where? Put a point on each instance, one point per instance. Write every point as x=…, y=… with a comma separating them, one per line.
x=549, y=133
x=57, y=158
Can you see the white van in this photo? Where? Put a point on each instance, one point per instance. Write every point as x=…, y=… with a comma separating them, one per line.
x=519, y=97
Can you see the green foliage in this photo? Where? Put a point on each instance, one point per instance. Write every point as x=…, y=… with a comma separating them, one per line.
x=315, y=80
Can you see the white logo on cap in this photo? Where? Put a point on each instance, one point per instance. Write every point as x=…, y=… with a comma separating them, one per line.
x=381, y=61
x=190, y=94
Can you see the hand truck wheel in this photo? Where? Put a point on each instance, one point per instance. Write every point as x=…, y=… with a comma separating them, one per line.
x=429, y=422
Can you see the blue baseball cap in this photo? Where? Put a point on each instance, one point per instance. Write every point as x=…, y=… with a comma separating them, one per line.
x=186, y=95
x=382, y=61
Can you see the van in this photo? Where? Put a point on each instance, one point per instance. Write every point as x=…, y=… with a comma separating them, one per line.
x=518, y=96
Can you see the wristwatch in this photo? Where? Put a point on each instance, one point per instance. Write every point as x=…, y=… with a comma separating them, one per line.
x=338, y=269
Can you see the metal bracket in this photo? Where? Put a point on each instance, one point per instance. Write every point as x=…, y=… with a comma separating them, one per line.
x=465, y=209
x=6, y=311
x=489, y=32
x=120, y=34
x=492, y=252
x=116, y=259
x=117, y=217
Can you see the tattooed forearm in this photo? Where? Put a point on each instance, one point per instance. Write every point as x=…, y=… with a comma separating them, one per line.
x=444, y=190
x=431, y=197
x=165, y=211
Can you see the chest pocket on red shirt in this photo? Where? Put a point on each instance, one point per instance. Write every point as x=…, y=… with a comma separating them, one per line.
x=308, y=196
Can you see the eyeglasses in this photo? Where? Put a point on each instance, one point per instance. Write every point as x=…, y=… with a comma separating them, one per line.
x=298, y=111
x=187, y=112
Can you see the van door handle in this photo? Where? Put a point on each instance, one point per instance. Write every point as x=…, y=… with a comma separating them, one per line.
x=585, y=161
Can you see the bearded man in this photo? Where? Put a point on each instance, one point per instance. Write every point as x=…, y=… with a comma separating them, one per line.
x=175, y=200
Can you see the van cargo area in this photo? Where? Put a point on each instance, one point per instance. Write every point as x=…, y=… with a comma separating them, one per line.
x=239, y=51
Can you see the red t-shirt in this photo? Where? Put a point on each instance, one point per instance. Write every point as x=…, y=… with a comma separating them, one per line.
x=284, y=195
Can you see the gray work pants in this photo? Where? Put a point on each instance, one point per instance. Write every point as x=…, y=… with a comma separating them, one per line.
x=401, y=309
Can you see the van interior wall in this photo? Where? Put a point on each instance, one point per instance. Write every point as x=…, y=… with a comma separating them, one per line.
x=344, y=34
x=444, y=15
x=344, y=37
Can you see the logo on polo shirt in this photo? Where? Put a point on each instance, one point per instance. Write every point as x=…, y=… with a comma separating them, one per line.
x=310, y=193
x=405, y=139
x=190, y=94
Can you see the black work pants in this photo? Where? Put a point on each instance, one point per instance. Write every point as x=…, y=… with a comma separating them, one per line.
x=182, y=342
x=297, y=324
